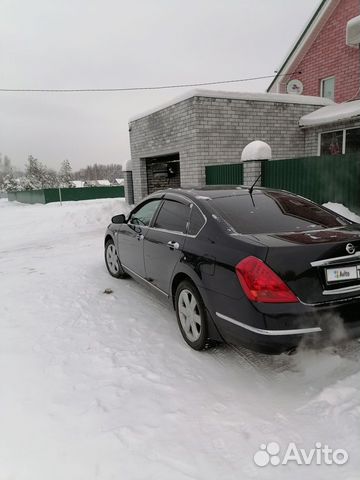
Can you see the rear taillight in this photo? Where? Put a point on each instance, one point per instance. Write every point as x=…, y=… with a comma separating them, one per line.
x=261, y=284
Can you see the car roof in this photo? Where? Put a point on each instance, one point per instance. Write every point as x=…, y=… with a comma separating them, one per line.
x=209, y=192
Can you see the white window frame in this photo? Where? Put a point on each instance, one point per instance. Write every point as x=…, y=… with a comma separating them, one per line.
x=332, y=131
x=322, y=81
x=344, y=130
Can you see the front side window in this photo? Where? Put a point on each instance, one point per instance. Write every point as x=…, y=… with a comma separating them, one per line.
x=328, y=88
x=331, y=143
x=144, y=214
x=173, y=216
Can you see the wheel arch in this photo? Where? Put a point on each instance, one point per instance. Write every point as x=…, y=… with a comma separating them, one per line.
x=184, y=272
x=196, y=281
x=108, y=237
x=178, y=278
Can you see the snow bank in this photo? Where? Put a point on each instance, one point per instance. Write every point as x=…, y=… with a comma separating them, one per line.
x=52, y=221
x=331, y=114
x=101, y=386
x=256, y=150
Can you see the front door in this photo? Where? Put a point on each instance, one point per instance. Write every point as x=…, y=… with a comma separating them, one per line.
x=164, y=243
x=131, y=235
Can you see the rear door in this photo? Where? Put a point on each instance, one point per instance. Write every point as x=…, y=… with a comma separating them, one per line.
x=164, y=242
x=130, y=238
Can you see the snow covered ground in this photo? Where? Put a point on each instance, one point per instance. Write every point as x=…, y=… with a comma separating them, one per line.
x=97, y=386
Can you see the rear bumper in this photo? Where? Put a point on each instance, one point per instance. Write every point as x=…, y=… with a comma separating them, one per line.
x=280, y=328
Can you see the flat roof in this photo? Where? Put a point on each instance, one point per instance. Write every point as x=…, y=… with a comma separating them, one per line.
x=331, y=114
x=256, y=96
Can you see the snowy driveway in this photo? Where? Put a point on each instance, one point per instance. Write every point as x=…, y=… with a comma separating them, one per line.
x=97, y=386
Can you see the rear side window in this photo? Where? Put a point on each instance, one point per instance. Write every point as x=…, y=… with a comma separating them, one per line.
x=197, y=221
x=173, y=216
x=274, y=212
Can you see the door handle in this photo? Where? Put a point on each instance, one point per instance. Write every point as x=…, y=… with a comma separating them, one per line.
x=173, y=245
x=140, y=236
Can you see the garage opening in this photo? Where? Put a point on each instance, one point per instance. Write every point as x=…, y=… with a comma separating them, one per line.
x=163, y=172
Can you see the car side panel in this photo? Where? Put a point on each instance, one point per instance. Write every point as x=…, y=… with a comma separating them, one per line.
x=130, y=247
x=160, y=258
x=212, y=260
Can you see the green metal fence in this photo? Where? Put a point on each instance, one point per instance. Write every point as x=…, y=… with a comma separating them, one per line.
x=230, y=174
x=29, y=196
x=50, y=195
x=322, y=179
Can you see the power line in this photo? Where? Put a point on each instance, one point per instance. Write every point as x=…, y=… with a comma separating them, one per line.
x=131, y=89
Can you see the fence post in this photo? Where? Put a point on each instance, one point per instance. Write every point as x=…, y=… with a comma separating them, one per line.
x=252, y=170
x=253, y=156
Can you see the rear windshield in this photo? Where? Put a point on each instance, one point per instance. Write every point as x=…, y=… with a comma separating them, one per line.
x=274, y=212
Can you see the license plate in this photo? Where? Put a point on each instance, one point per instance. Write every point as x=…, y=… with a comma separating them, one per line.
x=341, y=274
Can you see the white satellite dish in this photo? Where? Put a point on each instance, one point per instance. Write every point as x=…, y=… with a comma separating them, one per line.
x=296, y=87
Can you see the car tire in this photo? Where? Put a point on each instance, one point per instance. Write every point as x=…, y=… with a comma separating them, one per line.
x=112, y=261
x=192, y=316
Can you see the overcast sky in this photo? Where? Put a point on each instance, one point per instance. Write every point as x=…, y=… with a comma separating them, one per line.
x=117, y=43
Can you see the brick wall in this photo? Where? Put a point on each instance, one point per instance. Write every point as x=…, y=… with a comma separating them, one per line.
x=207, y=131
x=330, y=56
x=168, y=131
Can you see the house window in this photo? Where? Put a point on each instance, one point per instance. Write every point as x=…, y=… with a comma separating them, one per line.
x=340, y=142
x=331, y=143
x=327, y=88
x=352, y=140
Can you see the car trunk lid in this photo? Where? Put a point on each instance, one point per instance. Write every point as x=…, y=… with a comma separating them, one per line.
x=319, y=266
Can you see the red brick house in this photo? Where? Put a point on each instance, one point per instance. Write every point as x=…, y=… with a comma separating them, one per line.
x=325, y=60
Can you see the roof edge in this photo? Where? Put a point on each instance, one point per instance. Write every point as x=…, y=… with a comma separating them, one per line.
x=293, y=49
x=255, y=96
x=331, y=114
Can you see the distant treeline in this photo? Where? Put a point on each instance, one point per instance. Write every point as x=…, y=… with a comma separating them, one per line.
x=37, y=175
x=100, y=172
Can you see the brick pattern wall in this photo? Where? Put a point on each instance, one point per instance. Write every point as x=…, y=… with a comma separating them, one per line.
x=330, y=56
x=312, y=135
x=168, y=131
x=208, y=131
x=226, y=126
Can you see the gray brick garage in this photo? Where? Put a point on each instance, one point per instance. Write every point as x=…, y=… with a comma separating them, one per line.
x=172, y=144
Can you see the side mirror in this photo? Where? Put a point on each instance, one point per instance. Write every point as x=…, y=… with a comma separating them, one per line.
x=118, y=218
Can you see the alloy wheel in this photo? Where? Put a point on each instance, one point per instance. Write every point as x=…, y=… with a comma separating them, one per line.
x=189, y=315
x=112, y=259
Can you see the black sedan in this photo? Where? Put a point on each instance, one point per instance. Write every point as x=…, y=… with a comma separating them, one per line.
x=264, y=268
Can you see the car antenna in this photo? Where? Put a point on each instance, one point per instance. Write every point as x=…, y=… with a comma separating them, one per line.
x=253, y=185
